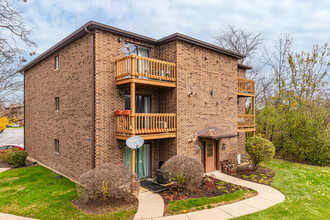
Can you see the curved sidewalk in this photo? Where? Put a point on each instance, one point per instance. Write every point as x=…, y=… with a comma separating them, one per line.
x=267, y=197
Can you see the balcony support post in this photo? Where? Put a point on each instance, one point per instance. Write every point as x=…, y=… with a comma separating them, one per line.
x=253, y=113
x=133, y=108
x=133, y=133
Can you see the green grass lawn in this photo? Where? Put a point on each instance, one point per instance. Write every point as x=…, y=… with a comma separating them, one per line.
x=186, y=205
x=34, y=192
x=306, y=188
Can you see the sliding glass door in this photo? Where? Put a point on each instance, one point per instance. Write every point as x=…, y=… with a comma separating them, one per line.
x=142, y=160
x=142, y=103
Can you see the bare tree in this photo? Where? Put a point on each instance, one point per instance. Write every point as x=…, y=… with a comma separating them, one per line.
x=247, y=43
x=277, y=59
x=14, y=42
x=309, y=71
x=241, y=41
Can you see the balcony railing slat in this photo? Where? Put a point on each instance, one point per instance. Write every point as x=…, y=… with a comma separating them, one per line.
x=245, y=121
x=147, y=123
x=245, y=85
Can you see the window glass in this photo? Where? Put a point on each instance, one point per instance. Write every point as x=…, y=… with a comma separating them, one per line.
x=209, y=150
x=57, y=103
x=57, y=62
x=142, y=103
x=57, y=146
x=3, y=148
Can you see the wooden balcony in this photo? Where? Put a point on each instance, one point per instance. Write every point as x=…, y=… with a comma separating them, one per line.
x=147, y=125
x=245, y=87
x=246, y=123
x=144, y=70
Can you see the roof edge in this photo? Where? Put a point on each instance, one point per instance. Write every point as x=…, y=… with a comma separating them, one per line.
x=246, y=67
x=92, y=25
x=185, y=38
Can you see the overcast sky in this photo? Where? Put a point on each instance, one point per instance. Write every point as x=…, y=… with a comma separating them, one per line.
x=308, y=22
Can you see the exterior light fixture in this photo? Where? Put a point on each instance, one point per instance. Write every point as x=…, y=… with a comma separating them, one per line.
x=223, y=146
x=119, y=39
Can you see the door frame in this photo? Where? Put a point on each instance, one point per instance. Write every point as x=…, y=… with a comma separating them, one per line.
x=217, y=153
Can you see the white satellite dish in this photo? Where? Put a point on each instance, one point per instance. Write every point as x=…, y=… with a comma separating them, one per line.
x=134, y=142
x=128, y=49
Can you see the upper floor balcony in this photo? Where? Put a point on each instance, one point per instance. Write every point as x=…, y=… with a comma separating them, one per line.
x=147, y=125
x=144, y=70
x=246, y=87
x=246, y=122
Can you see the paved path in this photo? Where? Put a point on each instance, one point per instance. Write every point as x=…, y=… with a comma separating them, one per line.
x=12, y=136
x=150, y=205
x=267, y=197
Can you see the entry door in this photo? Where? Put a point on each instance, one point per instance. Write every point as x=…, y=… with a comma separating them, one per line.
x=142, y=160
x=210, y=156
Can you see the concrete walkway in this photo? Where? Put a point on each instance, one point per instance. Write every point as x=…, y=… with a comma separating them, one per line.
x=267, y=197
x=150, y=205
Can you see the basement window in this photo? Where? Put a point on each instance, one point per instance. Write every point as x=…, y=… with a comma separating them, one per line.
x=57, y=103
x=57, y=146
x=57, y=62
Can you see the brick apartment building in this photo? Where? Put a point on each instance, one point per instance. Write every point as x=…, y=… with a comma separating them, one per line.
x=182, y=95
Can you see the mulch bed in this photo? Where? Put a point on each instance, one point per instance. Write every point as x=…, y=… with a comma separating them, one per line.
x=211, y=187
x=111, y=205
x=3, y=164
x=262, y=175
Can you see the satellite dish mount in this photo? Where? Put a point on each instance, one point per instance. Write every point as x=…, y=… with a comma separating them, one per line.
x=128, y=49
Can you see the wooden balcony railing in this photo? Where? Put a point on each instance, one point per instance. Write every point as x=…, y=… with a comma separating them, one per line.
x=246, y=121
x=146, y=123
x=144, y=67
x=246, y=85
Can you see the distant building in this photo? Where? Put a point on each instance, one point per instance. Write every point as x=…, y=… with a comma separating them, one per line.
x=15, y=111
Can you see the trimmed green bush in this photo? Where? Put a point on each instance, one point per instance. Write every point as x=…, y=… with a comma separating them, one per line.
x=7, y=155
x=185, y=171
x=18, y=158
x=259, y=149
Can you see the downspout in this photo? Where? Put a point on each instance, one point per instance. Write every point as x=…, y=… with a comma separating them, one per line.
x=93, y=96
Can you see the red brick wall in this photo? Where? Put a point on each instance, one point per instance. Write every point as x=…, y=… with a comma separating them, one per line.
x=202, y=71
x=108, y=100
x=199, y=70
x=72, y=124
